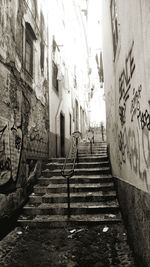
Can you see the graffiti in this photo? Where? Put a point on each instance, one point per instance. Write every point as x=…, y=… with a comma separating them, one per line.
x=131, y=152
x=122, y=114
x=126, y=76
x=5, y=163
x=125, y=84
x=135, y=102
x=17, y=138
x=35, y=135
x=144, y=119
x=5, y=159
x=10, y=150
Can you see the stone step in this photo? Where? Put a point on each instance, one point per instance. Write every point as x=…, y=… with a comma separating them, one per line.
x=80, y=196
x=94, y=149
x=74, y=188
x=75, y=179
x=75, y=208
x=103, y=170
x=93, y=155
x=79, y=165
x=57, y=221
x=86, y=159
x=99, y=144
x=74, y=197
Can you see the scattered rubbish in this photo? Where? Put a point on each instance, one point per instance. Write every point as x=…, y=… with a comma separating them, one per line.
x=105, y=229
x=19, y=233
x=90, y=193
x=112, y=215
x=124, y=233
x=74, y=232
x=33, y=194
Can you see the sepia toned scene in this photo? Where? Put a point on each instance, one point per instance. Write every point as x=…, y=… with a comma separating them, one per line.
x=74, y=133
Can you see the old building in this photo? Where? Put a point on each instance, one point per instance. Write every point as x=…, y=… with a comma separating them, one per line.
x=126, y=42
x=69, y=83
x=24, y=98
x=44, y=89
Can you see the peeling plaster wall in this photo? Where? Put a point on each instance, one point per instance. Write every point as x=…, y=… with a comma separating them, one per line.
x=23, y=103
x=128, y=111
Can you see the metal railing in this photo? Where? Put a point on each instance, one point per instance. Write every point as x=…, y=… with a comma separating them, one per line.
x=69, y=164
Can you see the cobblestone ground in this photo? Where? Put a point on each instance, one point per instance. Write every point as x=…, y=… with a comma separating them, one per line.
x=97, y=246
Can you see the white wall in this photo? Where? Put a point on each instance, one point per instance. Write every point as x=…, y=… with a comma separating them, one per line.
x=128, y=107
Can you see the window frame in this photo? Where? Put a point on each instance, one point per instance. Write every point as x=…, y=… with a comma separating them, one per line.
x=29, y=39
x=54, y=77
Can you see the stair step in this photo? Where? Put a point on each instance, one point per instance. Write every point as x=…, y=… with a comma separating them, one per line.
x=103, y=170
x=80, y=196
x=88, y=155
x=56, y=188
x=62, y=198
x=56, y=221
x=76, y=208
x=92, y=192
x=79, y=165
x=88, y=159
x=75, y=179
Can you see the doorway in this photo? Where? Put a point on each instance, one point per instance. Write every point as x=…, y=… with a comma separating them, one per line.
x=62, y=135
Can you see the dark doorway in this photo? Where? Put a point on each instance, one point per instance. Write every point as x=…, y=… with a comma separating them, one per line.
x=77, y=115
x=62, y=135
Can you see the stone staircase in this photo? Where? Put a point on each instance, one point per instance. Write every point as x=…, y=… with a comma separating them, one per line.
x=93, y=196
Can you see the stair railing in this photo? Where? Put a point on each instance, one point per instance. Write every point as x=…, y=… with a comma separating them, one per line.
x=72, y=156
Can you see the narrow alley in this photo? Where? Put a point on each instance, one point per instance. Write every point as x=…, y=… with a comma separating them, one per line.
x=74, y=133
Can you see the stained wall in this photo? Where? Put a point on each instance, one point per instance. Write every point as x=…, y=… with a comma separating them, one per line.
x=128, y=111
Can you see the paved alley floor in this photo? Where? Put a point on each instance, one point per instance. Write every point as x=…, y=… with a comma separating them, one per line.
x=96, y=246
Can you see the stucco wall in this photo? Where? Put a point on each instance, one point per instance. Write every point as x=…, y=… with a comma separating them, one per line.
x=127, y=89
x=128, y=115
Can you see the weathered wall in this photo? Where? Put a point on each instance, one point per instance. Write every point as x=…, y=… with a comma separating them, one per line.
x=23, y=103
x=127, y=90
x=135, y=209
x=128, y=111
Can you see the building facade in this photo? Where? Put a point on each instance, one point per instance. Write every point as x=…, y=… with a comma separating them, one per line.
x=43, y=87
x=24, y=98
x=126, y=58
x=69, y=83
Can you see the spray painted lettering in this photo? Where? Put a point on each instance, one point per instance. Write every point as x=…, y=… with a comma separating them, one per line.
x=130, y=152
x=126, y=76
x=135, y=102
x=125, y=84
x=144, y=119
x=5, y=161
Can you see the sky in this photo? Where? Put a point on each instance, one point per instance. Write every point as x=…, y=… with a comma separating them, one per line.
x=97, y=105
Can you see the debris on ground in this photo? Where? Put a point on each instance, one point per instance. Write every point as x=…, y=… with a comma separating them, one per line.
x=105, y=229
x=89, y=246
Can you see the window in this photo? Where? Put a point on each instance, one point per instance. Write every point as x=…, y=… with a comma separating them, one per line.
x=55, y=73
x=114, y=25
x=29, y=56
x=29, y=39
